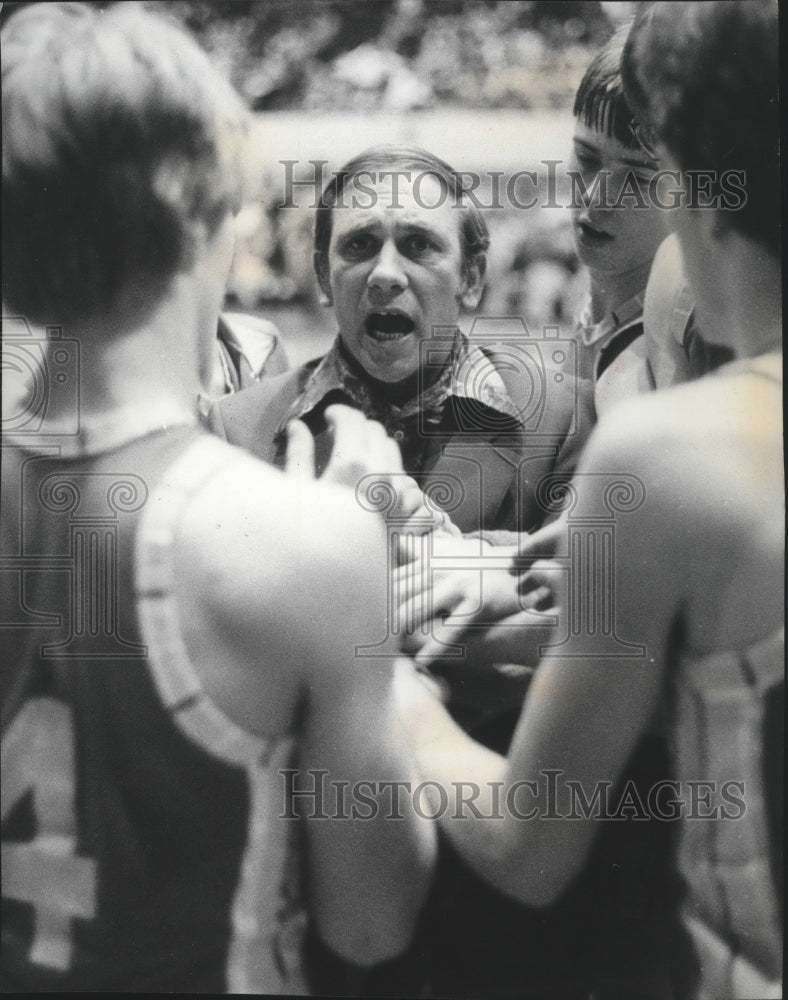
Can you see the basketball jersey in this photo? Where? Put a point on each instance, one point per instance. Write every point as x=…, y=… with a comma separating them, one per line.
x=612, y=354
x=141, y=844
x=728, y=713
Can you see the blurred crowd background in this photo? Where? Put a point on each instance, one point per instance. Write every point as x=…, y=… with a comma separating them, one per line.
x=487, y=84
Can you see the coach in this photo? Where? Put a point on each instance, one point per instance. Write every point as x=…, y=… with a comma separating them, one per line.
x=399, y=253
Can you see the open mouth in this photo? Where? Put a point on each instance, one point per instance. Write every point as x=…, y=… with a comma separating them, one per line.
x=591, y=235
x=388, y=325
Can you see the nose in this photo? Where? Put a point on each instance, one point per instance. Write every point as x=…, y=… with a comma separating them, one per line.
x=388, y=276
x=592, y=191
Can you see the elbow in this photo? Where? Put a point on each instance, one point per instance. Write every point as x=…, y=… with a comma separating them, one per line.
x=377, y=923
x=533, y=882
x=378, y=927
x=541, y=890
x=370, y=943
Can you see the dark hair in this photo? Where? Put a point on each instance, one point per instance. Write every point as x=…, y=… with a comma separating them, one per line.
x=117, y=134
x=474, y=235
x=705, y=76
x=600, y=102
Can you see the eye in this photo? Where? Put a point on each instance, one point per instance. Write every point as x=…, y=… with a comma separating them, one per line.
x=588, y=161
x=419, y=243
x=358, y=245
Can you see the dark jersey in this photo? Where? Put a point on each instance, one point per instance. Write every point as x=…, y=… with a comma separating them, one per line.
x=139, y=847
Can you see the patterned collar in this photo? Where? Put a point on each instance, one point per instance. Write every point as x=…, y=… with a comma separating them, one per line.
x=615, y=321
x=469, y=374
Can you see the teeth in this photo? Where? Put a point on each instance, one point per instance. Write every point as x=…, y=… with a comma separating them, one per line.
x=388, y=325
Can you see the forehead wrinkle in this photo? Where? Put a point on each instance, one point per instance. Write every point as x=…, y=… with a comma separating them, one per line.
x=418, y=225
x=406, y=219
x=361, y=226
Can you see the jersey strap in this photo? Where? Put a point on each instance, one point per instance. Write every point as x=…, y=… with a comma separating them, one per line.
x=268, y=916
x=176, y=681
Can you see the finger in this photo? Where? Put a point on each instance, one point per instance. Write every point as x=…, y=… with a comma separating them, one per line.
x=423, y=517
x=339, y=415
x=409, y=538
x=300, y=455
x=409, y=548
x=539, y=599
x=544, y=574
x=418, y=609
x=423, y=522
x=410, y=498
x=440, y=517
x=442, y=595
x=541, y=544
x=392, y=456
x=449, y=527
x=411, y=642
x=349, y=461
x=348, y=430
x=455, y=589
x=410, y=578
x=415, y=611
x=410, y=585
x=447, y=634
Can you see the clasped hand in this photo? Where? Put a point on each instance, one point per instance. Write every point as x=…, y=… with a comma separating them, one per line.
x=468, y=612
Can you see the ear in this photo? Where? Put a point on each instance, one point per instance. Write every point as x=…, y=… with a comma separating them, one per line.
x=323, y=272
x=474, y=270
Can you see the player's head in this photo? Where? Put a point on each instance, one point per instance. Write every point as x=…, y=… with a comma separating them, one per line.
x=705, y=76
x=398, y=253
x=600, y=102
x=617, y=228
x=120, y=142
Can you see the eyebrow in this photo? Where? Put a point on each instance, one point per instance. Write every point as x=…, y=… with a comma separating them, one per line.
x=408, y=228
x=368, y=228
x=417, y=228
x=647, y=164
x=360, y=227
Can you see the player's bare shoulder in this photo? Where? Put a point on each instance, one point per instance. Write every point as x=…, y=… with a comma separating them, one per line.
x=283, y=569
x=707, y=460
x=715, y=445
x=252, y=526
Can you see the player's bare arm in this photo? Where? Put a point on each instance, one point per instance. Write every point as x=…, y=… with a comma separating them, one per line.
x=296, y=591
x=575, y=703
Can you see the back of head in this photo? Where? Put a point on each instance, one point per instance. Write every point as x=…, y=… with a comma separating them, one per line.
x=119, y=136
x=705, y=75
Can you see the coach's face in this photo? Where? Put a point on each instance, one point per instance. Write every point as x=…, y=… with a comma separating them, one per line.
x=394, y=270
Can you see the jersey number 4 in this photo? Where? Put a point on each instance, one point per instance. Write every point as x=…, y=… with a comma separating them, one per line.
x=38, y=755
